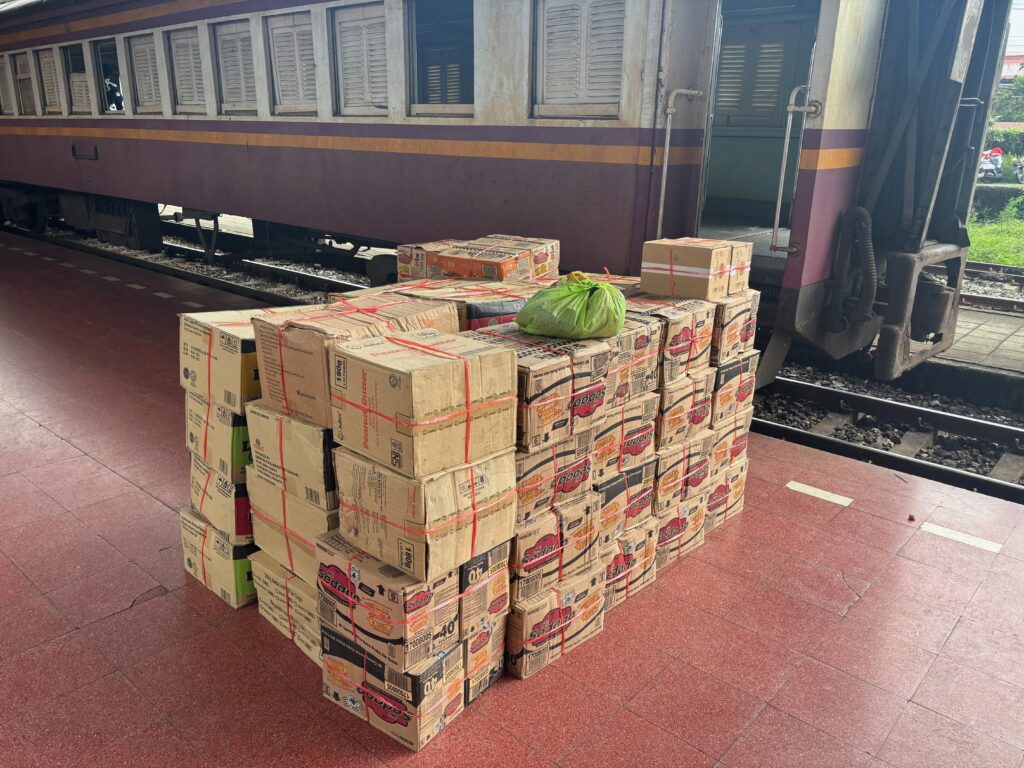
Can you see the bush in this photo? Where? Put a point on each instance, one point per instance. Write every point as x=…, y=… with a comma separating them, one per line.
x=1000, y=241
x=1010, y=140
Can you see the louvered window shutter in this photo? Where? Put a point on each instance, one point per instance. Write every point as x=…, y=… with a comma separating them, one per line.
x=187, y=67
x=144, y=69
x=5, y=92
x=23, y=82
x=235, y=66
x=48, y=76
x=755, y=72
x=78, y=82
x=294, y=69
x=361, y=59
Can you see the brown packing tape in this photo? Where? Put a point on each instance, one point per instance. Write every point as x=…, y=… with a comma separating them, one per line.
x=687, y=267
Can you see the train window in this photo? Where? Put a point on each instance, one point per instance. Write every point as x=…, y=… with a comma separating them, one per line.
x=290, y=38
x=579, y=57
x=235, y=71
x=361, y=58
x=47, y=65
x=145, y=74
x=442, y=37
x=755, y=73
x=187, y=70
x=6, y=105
x=23, y=84
x=79, y=99
x=108, y=74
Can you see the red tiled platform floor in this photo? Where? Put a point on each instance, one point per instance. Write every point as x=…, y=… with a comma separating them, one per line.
x=805, y=633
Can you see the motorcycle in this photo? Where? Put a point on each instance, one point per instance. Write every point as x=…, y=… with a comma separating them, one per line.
x=990, y=167
x=1018, y=170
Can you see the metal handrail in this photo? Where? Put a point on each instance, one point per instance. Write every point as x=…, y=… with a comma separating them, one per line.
x=812, y=108
x=670, y=110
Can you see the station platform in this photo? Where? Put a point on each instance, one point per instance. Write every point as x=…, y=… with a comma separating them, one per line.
x=988, y=340
x=850, y=616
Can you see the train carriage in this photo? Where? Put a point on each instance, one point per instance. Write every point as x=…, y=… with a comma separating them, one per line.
x=840, y=137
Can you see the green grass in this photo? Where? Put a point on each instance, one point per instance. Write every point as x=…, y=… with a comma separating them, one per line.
x=1000, y=240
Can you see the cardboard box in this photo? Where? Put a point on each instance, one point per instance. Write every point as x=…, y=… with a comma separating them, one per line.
x=485, y=659
x=562, y=387
x=292, y=455
x=288, y=603
x=211, y=557
x=554, y=622
x=625, y=283
x=496, y=257
x=626, y=437
x=630, y=564
x=731, y=438
x=554, y=475
x=411, y=706
x=737, y=475
x=686, y=329
x=423, y=401
x=685, y=408
x=223, y=503
x=286, y=527
x=735, y=324
x=681, y=529
x=546, y=253
x=403, y=620
x=734, y=386
x=412, y=258
x=683, y=471
x=739, y=266
x=218, y=436
x=635, y=360
x=217, y=357
x=718, y=492
x=428, y=526
x=687, y=267
x=484, y=591
x=292, y=344
x=478, y=304
x=626, y=500
x=554, y=546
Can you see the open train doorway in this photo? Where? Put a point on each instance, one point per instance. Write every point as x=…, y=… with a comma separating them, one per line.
x=752, y=153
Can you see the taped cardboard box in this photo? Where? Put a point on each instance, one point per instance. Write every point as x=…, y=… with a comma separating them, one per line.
x=402, y=620
x=410, y=706
x=685, y=408
x=546, y=253
x=554, y=546
x=735, y=324
x=681, y=529
x=556, y=474
x=428, y=526
x=555, y=622
x=626, y=500
x=412, y=258
x=210, y=556
x=218, y=436
x=719, y=489
x=292, y=344
x=423, y=401
x=731, y=439
x=630, y=563
x=626, y=437
x=287, y=602
x=636, y=358
x=561, y=385
x=286, y=527
x=687, y=267
x=739, y=266
x=223, y=503
x=737, y=474
x=734, y=387
x=485, y=658
x=496, y=257
x=686, y=329
x=217, y=357
x=479, y=304
x=683, y=471
x=484, y=591
x=292, y=455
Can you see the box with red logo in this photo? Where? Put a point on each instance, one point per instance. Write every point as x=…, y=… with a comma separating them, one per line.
x=412, y=258
x=496, y=257
x=626, y=437
x=683, y=471
x=626, y=500
x=479, y=304
x=681, y=529
x=222, y=566
x=430, y=525
x=554, y=545
x=734, y=386
x=483, y=590
x=737, y=474
x=485, y=658
x=735, y=323
x=739, y=266
x=223, y=503
x=731, y=438
x=403, y=620
x=562, y=387
x=555, y=622
x=685, y=338
x=630, y=563
x=218, y=436
x=685, y=407
x=635, y=359
x=554, y=474
x=411, y=706
x=686, y=267
x=719, y=490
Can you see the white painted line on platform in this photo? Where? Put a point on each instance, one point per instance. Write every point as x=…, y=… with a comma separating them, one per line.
x=135, y=286
x=48, y=258
x=193, y=304
x=963, y=538
x=12, y=248
x=31, y=253
x=163, y=295
x=818, y=493
x=66, y=264
x=87, y=271
x=110, y=278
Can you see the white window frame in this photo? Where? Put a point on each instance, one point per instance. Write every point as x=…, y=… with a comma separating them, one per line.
x=333, y=16
x=37, y=55
x=129, y=49
x=310, y=108
x=432, y=110
x=86, y=76
x=241, y=107
x=178, y=107
x=33, y=84
x=101, y=96
x=6, y=89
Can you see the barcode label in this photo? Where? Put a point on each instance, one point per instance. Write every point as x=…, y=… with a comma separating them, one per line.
x=312, y=495
x=229, y=398
x=419, y=652
x=395, y=681
x=224, y=468
x=225, y=596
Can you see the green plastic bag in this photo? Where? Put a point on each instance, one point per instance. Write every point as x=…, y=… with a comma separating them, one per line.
x=575, y=307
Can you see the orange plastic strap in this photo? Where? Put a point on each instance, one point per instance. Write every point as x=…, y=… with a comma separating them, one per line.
x=202, y=554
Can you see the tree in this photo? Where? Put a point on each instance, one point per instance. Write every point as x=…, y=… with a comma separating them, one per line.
x=1008, y=104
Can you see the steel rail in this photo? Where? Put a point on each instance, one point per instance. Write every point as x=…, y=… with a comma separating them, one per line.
x=995, y=303
x=299, y=277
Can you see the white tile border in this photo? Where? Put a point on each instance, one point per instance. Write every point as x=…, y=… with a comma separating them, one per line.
x=818, y=493
x=963, y=538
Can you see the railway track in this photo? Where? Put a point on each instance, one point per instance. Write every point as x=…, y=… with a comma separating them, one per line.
x=1006, y=279
x=924, y=427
